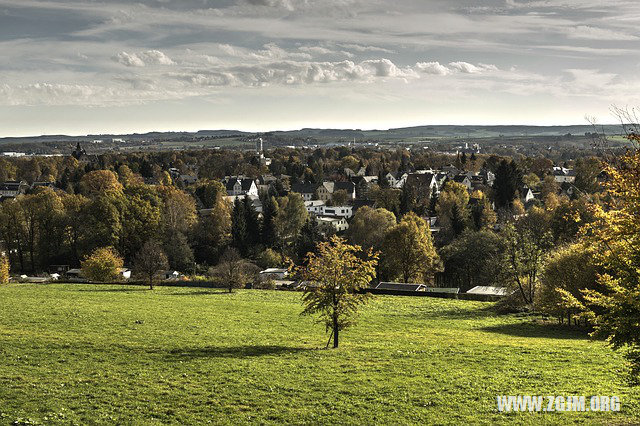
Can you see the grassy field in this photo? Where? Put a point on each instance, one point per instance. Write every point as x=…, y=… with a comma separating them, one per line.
x=113, y=354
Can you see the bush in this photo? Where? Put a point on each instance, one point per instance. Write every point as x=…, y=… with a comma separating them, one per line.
x=265, y=285
x=102, y=265
x=270, y=259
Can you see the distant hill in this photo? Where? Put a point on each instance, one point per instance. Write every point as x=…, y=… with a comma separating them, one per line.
x=437, y=131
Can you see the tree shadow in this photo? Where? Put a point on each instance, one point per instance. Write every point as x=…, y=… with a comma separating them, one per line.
x=114, y=290
x=199, y=293
x=479, y=313
x=538, y=330
x=248, y=351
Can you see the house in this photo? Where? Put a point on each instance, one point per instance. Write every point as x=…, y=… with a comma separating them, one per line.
x=400, y=286
x=264, y=182
x=255, y=202
x=171, y=275
x=363, y=185
x=338, y=211
x=561, y=175
x=306, y=190
x=43, y=185
x=463, y=179
x=240, y=185
x=424, y=183
x=327, y=189
x=338, y=224
x=125, y=273
x=526, y=194
x=13, y=188
x=315, y=206
x=396, y=180
x=450, y=170
x=350, y=173
x=273, y=274
x=487, y=176
x=188, y=179
x=489, y=291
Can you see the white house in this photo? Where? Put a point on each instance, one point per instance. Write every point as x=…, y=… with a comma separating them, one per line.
x=273, y=274
x=315, y=206
x=561, y=175
x=327, y=189
x=488, y=291
x=240, y=186
x=306, y=190
x=338, y=223
x=338, y=211
x=13, y=188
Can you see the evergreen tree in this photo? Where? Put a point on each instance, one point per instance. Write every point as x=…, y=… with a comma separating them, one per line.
x=458, y=223
x=252, y=222
x=268, y=235
x=308, y=239
x=508, y=180
x=239, y=227
x=407, y=199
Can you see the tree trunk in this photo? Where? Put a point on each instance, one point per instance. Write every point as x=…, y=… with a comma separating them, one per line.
x=150, y=283
x=335, y=333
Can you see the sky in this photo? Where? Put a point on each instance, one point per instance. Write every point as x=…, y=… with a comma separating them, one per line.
x=84, y=66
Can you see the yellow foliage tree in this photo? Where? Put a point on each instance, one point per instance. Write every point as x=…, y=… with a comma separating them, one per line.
x=615, y=235
x=336, y=274
x=103, y=265
x=4, y=269
x=408, y=252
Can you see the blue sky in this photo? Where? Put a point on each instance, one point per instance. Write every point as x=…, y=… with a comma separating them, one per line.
x=77, y=67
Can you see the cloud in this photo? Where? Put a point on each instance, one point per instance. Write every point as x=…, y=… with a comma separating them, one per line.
x=150, y=57
x=594, y=33
x=467, y=68
x=432, y=68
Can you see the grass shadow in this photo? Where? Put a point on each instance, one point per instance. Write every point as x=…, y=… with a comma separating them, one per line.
x=248, y=351
x=538, y=330
x=113, y=290
x=474, y=314
x=199, y=293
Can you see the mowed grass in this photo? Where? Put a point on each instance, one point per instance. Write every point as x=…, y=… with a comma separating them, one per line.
x=116, y=354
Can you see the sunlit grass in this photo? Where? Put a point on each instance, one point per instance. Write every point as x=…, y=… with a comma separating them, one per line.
x=114, y=354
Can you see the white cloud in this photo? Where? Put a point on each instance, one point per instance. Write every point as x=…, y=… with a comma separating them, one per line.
x=150, y=57
x=432, y=68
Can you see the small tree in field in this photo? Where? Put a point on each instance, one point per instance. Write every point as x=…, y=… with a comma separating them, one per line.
x=150, y=260
x=4, y=269
x=234, y=271
x=102, y=265
x=336, y=273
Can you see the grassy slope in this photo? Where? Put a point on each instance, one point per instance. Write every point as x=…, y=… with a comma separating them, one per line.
x=84, y=353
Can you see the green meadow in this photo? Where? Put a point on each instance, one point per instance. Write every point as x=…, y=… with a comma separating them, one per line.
x=97, y=354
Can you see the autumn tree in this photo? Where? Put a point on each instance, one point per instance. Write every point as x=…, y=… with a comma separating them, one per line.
x=4, y=269
x=408, y=252
x=527, y=244
x=475, y=258
x=369, y=226
x=568, y=271
x=452, y=209
x=150, y=261
x=100, y=182
x=336, y=275
x=102, y=265
x=233, y=271
x=292, y=215
x=615, y=302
